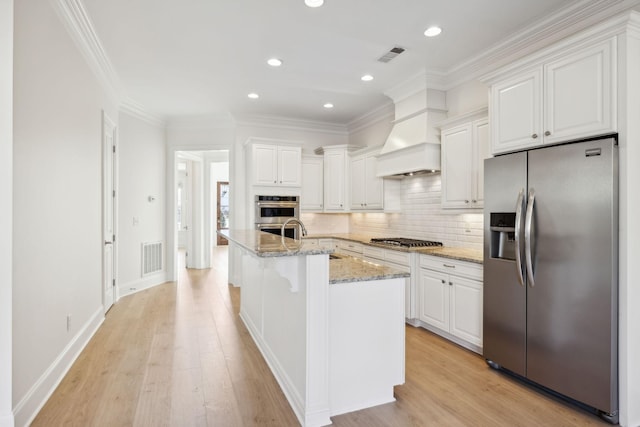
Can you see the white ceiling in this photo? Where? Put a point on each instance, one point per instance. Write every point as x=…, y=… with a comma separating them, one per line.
x=202, y=57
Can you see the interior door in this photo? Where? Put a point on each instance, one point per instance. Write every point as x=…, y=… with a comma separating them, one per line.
x=222, y=215
x=108, y=217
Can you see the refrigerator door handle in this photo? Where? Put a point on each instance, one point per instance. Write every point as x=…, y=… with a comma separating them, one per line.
x=527, y=237
x=517, y=235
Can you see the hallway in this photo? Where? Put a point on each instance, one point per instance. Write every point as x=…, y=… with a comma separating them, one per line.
x=179, y=355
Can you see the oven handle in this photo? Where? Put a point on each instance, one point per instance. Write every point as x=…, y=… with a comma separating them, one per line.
x=277, y=204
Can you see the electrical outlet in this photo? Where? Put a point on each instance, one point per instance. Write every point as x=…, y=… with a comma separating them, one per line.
x=68, y=322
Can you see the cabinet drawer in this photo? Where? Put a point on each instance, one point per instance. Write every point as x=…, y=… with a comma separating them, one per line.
x=371, y=252
x=397, y=257
x=446, y=265
x=349, y=246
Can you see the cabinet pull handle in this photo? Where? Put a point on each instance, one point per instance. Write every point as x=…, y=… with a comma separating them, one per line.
x=449, y=266
x=534, y=136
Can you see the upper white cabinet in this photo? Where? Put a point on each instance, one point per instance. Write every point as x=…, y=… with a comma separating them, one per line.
x=312, y=191
x=464, y=147
x=336, y=177
x=567, y=94
x=276, y=165
x=366, y=190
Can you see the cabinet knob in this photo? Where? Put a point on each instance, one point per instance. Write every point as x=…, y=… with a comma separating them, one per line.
x=444, y=281
x=547, y=133
x=275, y=182
x=466, y=201
x=474, y=201
x=534, y=136
x=450, y=283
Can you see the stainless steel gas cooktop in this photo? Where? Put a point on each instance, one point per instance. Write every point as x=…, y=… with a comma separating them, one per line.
x=404, y=242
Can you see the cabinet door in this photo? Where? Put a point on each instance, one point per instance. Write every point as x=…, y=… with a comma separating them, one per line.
x=357, y=183
x=374, y=186
x=265, y=164
x=289, y=163
x=457, y=165
x=334, y=181
x=516, y=112
x=434, y=306
x=482, y=151
x=466, y=309
x=312, y=191
x=580, y=94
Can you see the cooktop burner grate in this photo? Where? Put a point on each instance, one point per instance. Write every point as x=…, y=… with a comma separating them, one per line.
x=407, y=243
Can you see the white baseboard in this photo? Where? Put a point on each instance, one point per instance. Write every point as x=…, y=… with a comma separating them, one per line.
x=29, y=406
x=142, y=284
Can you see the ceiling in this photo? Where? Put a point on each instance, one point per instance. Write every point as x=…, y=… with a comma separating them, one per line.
x=202, y=57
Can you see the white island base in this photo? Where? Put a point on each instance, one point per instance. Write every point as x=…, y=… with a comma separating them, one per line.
x=333, y=348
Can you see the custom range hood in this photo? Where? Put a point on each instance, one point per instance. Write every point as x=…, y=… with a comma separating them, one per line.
x=413, y=146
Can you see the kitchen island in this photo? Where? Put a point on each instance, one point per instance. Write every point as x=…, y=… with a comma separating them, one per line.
x=333, y=337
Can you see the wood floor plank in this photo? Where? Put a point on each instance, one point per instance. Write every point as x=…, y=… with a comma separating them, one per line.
x=179, y=355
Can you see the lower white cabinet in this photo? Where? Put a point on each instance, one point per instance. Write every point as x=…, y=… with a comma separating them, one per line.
x=450, y=299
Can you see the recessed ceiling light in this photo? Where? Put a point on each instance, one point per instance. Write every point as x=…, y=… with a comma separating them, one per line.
x=366, y=78
x=274, y=62
x=314, y=3
x=432, y=31
x=253, y=95
x=328, y=105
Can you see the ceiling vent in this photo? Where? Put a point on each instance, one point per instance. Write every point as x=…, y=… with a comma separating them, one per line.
x=391, y=54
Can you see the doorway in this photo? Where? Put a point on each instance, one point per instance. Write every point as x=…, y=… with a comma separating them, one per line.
x=109, y=133
x=222, y=214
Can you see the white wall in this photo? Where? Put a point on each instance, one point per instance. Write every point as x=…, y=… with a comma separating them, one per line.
x=57, y=203
x=6, y=217
x=421, y=217
x=467, y=97
x=142, y=173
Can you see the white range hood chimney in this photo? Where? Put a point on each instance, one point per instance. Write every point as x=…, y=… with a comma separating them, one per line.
x=413, y=146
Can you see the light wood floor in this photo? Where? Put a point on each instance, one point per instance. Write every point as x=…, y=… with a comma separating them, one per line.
x=179, y=355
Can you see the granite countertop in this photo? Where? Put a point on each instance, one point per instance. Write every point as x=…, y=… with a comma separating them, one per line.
x=346, y=269
x=459, y=253
x=271, y=245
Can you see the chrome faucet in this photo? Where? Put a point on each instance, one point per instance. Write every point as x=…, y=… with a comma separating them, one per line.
x=302, y=227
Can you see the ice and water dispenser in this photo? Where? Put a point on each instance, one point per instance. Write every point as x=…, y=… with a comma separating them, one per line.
x=503, y=236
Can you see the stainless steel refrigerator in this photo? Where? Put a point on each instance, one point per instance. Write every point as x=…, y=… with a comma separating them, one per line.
x=551, y=269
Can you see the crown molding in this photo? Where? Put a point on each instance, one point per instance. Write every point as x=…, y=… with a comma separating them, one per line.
x=575, y=17
x=201, y=122
x=277, y=122
x=133, y=109
x=384, y=112
x=80, y=27
x=411, y=86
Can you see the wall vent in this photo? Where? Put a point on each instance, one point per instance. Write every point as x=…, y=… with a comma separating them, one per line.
x=391, y=54
x=151, y=258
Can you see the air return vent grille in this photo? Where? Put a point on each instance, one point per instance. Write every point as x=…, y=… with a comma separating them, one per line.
x=151, y=258
x=391, y=54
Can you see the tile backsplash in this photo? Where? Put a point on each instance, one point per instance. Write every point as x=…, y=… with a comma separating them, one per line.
x=420, y=216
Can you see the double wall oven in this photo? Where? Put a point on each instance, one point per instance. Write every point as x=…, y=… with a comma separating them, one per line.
x=272, y=211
